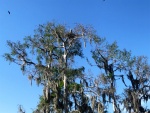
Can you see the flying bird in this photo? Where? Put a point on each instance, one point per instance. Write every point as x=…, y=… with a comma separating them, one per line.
x=8, y=12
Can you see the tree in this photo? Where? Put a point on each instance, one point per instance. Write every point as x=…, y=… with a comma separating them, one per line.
x=47, y=58
x=138, y=74
x=110, y=60
x=120, y=64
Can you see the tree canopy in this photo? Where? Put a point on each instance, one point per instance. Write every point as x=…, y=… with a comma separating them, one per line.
x=48, y=58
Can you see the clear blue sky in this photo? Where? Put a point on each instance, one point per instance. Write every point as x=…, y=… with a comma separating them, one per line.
x=126, y=21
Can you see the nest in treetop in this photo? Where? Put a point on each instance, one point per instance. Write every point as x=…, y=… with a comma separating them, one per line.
x=70, y=34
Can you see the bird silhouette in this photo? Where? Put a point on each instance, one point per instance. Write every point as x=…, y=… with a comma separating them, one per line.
x=8, y=12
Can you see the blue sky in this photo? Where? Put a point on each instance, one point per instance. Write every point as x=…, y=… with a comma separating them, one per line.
x=126, y=21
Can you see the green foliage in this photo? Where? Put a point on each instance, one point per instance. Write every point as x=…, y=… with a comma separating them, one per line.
x=75, y=86
x=48, y=57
